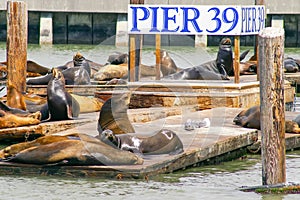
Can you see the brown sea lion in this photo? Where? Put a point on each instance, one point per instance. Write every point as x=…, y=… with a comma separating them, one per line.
x=9, y=120
x=113, y=115
x=162, y=142
x=88, y=104
x=168, y=65
x=33, y=68
x=111, y=71
x=60, y=103
x=250, y=118
x=16, y=98
x=72, y=149
x=14, y=117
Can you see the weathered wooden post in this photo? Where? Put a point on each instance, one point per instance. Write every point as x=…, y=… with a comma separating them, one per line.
x=236, y=59
x=17, y=21
x=270, y=51
x=135, y=48
x=157, y=53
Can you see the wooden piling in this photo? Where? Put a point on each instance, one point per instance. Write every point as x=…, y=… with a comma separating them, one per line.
x=135, y=51
x=236, y=59
x=270, y=51
x=157, y=53
x=17, y=20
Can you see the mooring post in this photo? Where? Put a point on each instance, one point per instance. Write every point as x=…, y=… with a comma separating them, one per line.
x=257, y=2
x=16, y=54
x=236, y=59
x=272, y=115
x=157, y=53
x=135, y=49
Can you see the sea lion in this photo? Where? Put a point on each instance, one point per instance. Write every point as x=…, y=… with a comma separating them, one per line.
x=290, y=65
x=118, y=58
x=113, y=115
x=111, y=71
x=250, y=118
x=196, y=73
x=88, y=104
x=15, y=117
x=71, y=149
x=9, y=120
x=60, y=103
x=73, y=76
x=32, y=68
x=168, y=65
x=162, y=142
x=16, y=98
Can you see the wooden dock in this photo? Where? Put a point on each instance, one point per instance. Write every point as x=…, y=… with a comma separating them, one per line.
x=205, y=94
x=220, y=142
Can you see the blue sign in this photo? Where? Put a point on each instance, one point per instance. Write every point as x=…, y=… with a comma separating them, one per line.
x=189, y=19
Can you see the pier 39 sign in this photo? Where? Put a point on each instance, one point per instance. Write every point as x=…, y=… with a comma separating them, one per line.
x=189, y=19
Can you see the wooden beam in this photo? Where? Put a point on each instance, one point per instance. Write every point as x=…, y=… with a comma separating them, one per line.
x=157, y=53
x=17, y=20
x=272, y=107
x=236, y=59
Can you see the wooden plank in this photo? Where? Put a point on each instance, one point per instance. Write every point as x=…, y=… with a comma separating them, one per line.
x=272, y=106
x=17, y=21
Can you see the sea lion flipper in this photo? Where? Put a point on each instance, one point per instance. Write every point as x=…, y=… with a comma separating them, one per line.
x=69, y=112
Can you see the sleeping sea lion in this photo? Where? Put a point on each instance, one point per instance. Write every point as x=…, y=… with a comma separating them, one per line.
x=118, y=58
x=113, y=115
x=88, y=104
x=291, y=65
x=14, y=117
x=250, y=118
x=162, y=142
x=60, y=103
x=111, y=71
x=72, y=149
x=196, y=73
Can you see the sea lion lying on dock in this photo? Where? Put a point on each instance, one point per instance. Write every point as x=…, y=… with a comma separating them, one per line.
x=162, y=142
x=113, y=115
x=250, y=118
x=291, y=65
x=196, y=73
x=77, y=75
x=14, y=117
x=33, y=69
x=71, y=149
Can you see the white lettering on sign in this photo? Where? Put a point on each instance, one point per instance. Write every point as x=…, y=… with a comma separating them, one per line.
x=188, y=19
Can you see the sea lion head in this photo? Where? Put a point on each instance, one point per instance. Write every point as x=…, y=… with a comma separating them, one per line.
x=108, y=137
x=78, y=59
x=57, y=74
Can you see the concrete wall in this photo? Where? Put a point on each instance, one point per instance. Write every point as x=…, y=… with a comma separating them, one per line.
x=120, y=6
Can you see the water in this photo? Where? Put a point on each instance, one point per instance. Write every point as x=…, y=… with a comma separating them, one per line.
x=211, y=182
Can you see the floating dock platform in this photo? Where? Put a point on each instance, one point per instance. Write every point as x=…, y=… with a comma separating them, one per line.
x=222, y=141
